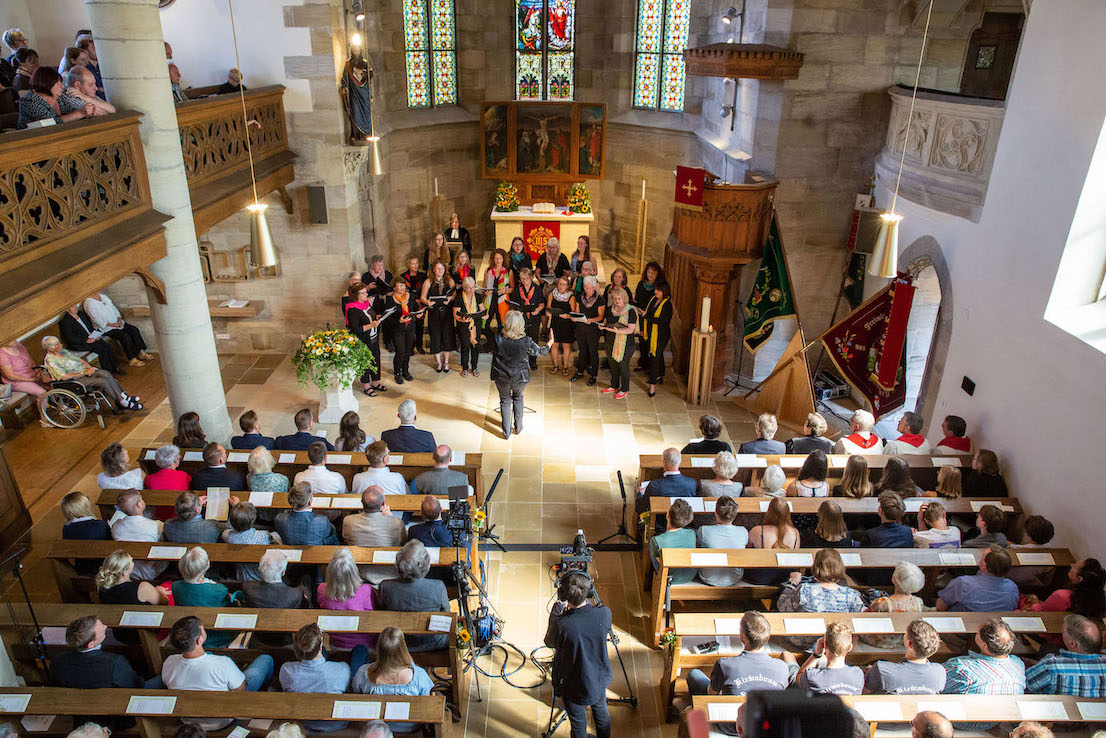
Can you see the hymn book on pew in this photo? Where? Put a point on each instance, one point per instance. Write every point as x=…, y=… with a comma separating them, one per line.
x=218, y=503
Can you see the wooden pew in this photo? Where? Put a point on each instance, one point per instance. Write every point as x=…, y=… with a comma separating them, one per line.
x=692, y=629
x=409, y=465
x=929, y=560
x=278, y=706
x=52, y=615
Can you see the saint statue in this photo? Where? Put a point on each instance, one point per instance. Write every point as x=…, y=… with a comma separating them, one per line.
x=357, y=98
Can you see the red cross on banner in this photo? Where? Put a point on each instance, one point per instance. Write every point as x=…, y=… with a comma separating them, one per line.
x=690, y=182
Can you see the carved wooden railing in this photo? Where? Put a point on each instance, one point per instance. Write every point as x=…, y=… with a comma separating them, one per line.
x=950, y=149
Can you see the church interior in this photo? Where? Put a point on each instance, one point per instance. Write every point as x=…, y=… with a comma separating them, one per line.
x=849, y=222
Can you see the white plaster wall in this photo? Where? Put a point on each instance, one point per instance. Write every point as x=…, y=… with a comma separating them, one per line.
x=1040, y=398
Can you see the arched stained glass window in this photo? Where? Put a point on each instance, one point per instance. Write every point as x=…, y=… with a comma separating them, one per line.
x=662, y=28
x=545, y=49
x=430, y=43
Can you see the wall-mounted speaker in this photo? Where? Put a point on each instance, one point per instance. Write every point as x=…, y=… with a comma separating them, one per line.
x=316, y=204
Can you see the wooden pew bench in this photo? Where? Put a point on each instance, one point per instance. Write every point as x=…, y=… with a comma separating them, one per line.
x=279, y=707
x=931, y=561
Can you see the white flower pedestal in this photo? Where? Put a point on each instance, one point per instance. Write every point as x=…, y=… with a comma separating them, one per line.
x=336, y=400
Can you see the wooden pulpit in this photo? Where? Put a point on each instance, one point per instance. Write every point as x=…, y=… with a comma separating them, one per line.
x=704, y=256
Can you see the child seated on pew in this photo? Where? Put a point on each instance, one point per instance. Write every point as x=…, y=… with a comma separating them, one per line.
x=825, y=670
x=242, y=518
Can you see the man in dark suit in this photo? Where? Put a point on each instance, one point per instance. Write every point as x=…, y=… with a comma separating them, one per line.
x=251, y=436
x=407, y=438
x=216, y=473
x=77, y=332
x=431, y=531
x=302, y=439
x=890, y=533
x=87, y=667
x=671, y=484
x=766, y=427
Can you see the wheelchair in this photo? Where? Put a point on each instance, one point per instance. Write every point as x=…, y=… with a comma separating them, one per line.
x=67, y=403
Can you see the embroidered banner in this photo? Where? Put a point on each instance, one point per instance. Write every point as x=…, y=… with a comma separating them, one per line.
x=689, y=187
x=771, y=298
x=536, y=232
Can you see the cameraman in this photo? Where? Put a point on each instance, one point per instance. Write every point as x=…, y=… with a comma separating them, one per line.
x=581, y=670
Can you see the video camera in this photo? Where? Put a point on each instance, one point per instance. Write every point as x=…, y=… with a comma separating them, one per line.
x=576, y=557
x=458, y=521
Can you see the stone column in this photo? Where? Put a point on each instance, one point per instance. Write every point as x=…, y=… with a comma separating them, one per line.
x=131, y=51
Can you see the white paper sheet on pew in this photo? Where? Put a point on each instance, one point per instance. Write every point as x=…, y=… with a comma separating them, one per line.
x=1092, y=710
x=139, y=618
x=728, y=646
x=804, y=626
x=356, y=710
x=146, y=705
x=710, y=505
x=850, y=559
x=53, y=635
x=218, y=503
x=37, y=723
x=347, y=503
x=873, y=625
x=765, y=503
x=384, y=557
x=458, y=458
x=150, y=455
x=914, y=504
x=261, y=499
x=435, y=555
x=193, y=455
x=261, y=724
x=1042, y=710
x=287, y=459
x=233, y=621
x=702, y=462
x=722, y=712
x=445, y=503
x=394, y=460
x=440, y=623
x=695, y=503
x=397, y=710
x=792, y=462
x=240, y=732
x=321, y=433
x=709, y=559
x=957, y=559
x=838, y=461
x=977, y=505
x=946, y=625
x=238, y=457
x=338, y=622
x=166, y=552
x=945, y=461
x=292, y=554
x=795, y=560
x=950, y=709
x=14, y=702
x=320, y=502
x=1025, y=625
x=873, y=711
x=1035, y=558
x=339, y=459
x=730, y=626
x=751, y=460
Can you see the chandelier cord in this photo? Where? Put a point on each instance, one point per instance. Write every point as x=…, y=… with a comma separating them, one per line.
x=913, y=97
x=242, y=98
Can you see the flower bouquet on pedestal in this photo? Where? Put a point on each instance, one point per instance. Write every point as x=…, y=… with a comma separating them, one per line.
x=332, y=360
x=506, y=198
x=579, y=198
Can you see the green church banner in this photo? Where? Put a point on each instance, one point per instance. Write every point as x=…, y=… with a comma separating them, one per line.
x=772, y=298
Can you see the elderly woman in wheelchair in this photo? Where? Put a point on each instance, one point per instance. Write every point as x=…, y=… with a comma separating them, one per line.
x=67, y=369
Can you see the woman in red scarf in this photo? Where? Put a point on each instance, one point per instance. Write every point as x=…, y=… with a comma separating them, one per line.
x=364, y=323
x=498, y=278
x=402, y=304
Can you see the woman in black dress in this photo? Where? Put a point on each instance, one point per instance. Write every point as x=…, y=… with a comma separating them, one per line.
x=435, y=251
x=621, y=323
x=619, y=280
x=644, y=292
x=402, y=324
x=115, y=587
x=439, y=314
x=468, y=315
x=414, y=277
x=590, y=303
x=560, y=303
x=462, y=268
x=529, y=300
x=549, y=267
x=656, y=331
x=364, y=323
x=518, y=258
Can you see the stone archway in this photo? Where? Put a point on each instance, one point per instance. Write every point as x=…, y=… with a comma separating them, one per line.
x=928, y=344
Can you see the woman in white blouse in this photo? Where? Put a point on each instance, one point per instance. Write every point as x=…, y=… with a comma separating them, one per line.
x=107, y=319
x=117, y=473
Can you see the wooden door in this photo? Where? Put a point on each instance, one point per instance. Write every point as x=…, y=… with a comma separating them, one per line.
x=991, y=53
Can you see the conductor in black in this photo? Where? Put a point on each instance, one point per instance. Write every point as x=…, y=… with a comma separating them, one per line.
x=581, y=669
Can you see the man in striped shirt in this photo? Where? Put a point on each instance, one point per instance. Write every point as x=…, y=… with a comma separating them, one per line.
x=1079, y=669
x=991, y=671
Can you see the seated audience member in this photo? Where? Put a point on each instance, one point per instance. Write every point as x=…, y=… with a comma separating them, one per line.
x=948, y=484
x=194, y=589
x=764, y=444
x=985, y=478
x=393, y=673
x=299, y=526
x=934, y=530
x=323, y=481
x=194, y=668
x=251, y=436
x=991, y=522
x=830, y=530
x=854, y=480
x=930, y=724
x=711, y=428
x=438, y=480
x=168, y=476
x=241, y=519
x=269, y=590
x=190, y=434
x=813, y=438
x=114, y=461
x=774, y=481
x=1038, y=531
x=825, y=670
x=954, y=437
x=233, y=83
x=678, y=535
x=775, y=531
x=1032, y=729
x=414, y=592
x=302, y=439
x=73, y=57
x=378, y=474
x=380, y=729
x=216, y=473
x=753, y=668
x=313, y=673
x=431, y=531
x=407, y=439
x=915, y=674
x=343, y=589
x=18, y=369
x=134, y=526
x=725, y=469
x=860, y=440
x=993, y=670
x=64, y=365
x=896, y=478
x=1078, y=670
x=14, y=39
x=723, y=534
x=189, y=526
x=670, y=484
x=85, y=42
x=109, y=321
x=81, y=522
x=811, y=479
x=374, y=527
x=261, y=477
x=821, y=591
x=47, y=100
x=179, y=95
x=350, y=435
x=907, y=579
x=890, y=533
x=115, y=584
x=87, y=730
x=25, y=62
x=1083, y=594
x=910, y=441
x=86, y=666
x=987, y=591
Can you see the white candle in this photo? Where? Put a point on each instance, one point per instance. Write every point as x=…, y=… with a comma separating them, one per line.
x=704, y=319
x=643, y=189
x=435, y=187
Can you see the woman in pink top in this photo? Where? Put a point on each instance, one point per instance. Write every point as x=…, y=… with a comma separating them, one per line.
x=345, y=590
x=19, y=371
x=1084, y=594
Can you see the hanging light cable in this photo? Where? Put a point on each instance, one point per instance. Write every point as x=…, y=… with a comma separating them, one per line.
x=885, y=258
x=262, y=250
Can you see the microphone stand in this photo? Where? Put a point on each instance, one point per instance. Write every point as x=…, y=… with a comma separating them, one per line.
x=488, y=536
x=36, y=644
x=622, y=530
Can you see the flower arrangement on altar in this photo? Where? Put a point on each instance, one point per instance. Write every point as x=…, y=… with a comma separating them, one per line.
x=324, y=355
x=579, y=198
x=506, y=198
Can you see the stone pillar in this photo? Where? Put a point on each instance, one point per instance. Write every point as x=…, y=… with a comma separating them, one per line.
x=131, y=51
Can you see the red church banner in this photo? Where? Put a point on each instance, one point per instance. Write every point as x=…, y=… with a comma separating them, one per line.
x=689, y=187
x=536, y=232
x=868, y=347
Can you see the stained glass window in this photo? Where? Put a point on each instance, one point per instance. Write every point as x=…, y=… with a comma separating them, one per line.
x=430, y=40
x=545, y=49
x=662, y=28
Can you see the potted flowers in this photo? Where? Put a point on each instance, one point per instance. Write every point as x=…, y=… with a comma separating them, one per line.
x=332, y=360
